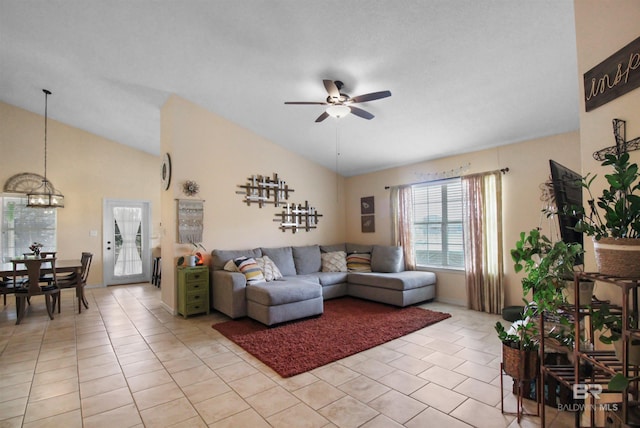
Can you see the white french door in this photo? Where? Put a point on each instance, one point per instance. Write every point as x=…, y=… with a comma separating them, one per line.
x=126, y=242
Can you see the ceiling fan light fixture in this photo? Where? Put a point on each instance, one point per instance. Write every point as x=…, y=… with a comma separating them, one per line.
x=338, y=111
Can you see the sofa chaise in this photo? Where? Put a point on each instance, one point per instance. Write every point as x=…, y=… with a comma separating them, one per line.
x=274, y=285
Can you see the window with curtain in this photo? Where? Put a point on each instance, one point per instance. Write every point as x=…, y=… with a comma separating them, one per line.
x=437, y=224
x=22, y=226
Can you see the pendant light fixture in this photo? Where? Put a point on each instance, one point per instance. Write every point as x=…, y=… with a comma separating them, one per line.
x=45, y=196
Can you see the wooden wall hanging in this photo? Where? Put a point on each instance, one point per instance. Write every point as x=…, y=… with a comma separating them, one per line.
x=613, y=77
x=294, y=217
x=264, y=190
x=190, y=221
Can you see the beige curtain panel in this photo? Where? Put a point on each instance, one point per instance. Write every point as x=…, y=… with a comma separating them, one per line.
x=482, y=222
x=402, y=222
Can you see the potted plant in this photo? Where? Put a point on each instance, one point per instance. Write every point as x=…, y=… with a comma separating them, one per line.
x=609, y=323
x=614, y=218
x=520, y=344
x=548, y=267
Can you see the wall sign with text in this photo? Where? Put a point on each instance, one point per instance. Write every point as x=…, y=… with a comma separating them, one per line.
x=613, y=77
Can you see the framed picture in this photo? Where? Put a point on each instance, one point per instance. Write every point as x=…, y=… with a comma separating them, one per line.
x=368, y=224
x=366, y=205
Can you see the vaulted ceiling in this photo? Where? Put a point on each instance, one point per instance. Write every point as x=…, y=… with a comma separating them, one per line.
x=464, y=74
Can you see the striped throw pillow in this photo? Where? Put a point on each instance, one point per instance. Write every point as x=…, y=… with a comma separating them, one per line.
x=359, y=262
x=250, y=269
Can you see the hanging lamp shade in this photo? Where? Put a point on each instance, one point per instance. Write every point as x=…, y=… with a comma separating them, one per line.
x=45, y=195
x=338, y=110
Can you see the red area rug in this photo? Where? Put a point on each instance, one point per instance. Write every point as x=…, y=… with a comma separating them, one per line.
x=346, y=327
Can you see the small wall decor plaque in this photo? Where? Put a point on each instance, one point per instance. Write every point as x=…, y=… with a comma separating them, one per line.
x=368, y=223
x=367, y=205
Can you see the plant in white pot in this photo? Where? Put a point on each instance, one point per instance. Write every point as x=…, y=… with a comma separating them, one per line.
x=520, y=344
x=614, y=218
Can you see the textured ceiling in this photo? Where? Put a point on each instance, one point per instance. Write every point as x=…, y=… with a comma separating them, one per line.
x=464, y=74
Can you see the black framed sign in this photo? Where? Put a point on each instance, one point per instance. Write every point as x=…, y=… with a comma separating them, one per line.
x=613, y=77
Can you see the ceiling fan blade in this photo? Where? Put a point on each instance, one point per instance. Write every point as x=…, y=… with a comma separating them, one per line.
x=322, y=117
x=331, y=88
x=370, y=97
x=305, y=103
x=361, y=113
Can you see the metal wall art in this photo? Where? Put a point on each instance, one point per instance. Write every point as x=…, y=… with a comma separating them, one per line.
x=294, y=217
x=264, y=190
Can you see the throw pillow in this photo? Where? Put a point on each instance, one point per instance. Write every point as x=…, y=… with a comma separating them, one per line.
x=335, y=261
x=230, y=266
x=250, y=269
x=359, y=262
x=268, y=268
x=387, y=258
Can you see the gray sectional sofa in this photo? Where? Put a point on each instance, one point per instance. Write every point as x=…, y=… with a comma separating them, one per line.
x=309, y=275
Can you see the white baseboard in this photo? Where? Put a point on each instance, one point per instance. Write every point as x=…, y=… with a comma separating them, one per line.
x=168, y=308
x=456, y=302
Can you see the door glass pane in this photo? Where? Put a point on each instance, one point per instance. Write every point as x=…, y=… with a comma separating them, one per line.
x=127, y=240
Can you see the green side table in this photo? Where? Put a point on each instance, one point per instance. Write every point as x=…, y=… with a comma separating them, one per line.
x=193, y=290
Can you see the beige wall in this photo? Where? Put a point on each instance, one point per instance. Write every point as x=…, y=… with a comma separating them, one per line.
x=219, y=155
x=85, y=168
x=602, y=28
x=528, y=164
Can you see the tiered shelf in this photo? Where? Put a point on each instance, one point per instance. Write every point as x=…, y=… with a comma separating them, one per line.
x=595, y=367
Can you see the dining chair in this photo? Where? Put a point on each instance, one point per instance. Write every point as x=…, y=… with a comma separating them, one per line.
x=77, y=281
x=7, y=286
x=34, y=285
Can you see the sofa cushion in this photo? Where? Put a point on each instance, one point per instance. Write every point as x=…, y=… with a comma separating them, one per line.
x=333, y=248
x=335, y=261
x=332, y=278
x=359, y=262
x=220, y=257
x=387, y=258
x=268, y=268
x=250, y=269
x=283, y=258
x=358, y=248
x=282, y=292
x=307, y=259
x=406, y=280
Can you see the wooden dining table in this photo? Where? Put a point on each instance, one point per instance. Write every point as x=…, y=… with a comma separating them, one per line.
x=62, y=266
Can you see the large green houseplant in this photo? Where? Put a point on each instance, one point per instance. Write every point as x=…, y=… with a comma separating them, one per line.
x=613, y=220
x=547, y=265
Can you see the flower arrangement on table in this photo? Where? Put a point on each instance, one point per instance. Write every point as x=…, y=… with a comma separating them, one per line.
x=35, y=248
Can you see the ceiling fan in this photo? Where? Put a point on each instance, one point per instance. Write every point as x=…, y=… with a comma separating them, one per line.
x=342, y=104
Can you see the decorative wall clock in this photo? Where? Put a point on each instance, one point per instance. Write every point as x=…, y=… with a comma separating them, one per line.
x=165, y=171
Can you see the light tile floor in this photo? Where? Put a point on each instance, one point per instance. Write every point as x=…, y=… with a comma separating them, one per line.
x=127, y=362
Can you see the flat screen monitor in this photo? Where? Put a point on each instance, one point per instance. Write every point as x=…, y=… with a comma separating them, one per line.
x=567, y=189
